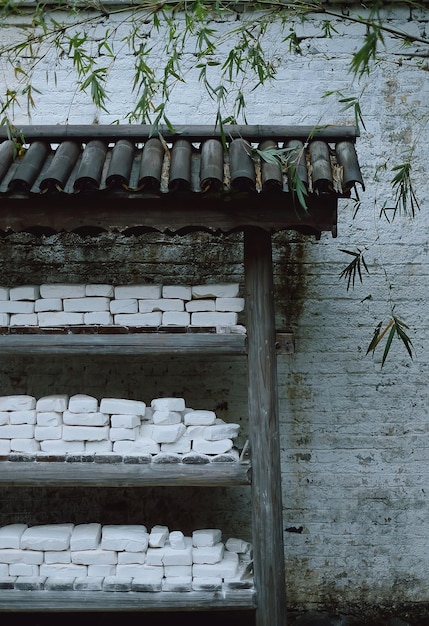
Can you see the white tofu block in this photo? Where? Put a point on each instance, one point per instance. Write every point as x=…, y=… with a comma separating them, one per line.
x=176, y=318
x=158, y=536
x=168, y=404
x=125, y=421
x=57, y=403
x=4, y=571
x=145, y=431
x=177, y=583
x=121, y=406
x=48, y=304
x=86, y=419
x=86, y=536
x=131, y=558
x=166, y=417
x=100, y=290
x=47, y=537
x=199, y=417
x=17, y=403
x=57, y=556
x=48, y=432
x=195, y=432
x=177, y=540
x=94, y=557
x=139, y=447
x=63, y=569
x=163, y=434
x=129, y=305
x=26, y=446
x=24, y=292
x=19, y=431
x=86, y=305
x=234, y=305
x=149, y=574
x=139, y=319
x=85, y=433
x=181, y=446
x=133, y=538
x=62, y=291
x=10, y=535
x=101, y=570
x=161, y=304
x=58, y=446
x=208, y=554
x=206, y=537
x=99, y=447
x=98, y=318
x=24, y=319
x=216, y=318
x=16, y=306
x=117, y=583
x=154, y=556
x=23, y=417
x=240, y=546
x=138, y=291
x=206, y=584
x=59, y=583
x=49, y=418
x=123, y=434
x=4, y=417
x=183, y=292
x=200, y=305
x=82, y=403
x=178, y=557
x=29, y=583
x=131, y=570
x=212, y=447
x=216, y=291
x=4, y=446
x=86, y=583
x=173, y=571
x=4, y=293
x=60, y=318
x=226, y=568
x=4, y=319
x=10, y=555
x=23, y=569
x=221, y=431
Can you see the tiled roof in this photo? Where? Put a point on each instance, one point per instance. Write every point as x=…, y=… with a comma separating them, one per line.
x=128, y=162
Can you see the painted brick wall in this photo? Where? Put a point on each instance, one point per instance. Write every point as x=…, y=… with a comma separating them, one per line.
x=354, y=436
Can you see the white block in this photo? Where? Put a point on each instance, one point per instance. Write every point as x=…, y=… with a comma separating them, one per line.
x=138, y=447
x=131, y=570
x=138, y=291
x=85, y=433
x=58, y=446
x=177, y=540
x=86, y=536
x=212, y=447
x=10, y=535
x=4, y=293
x=181, y=446
x=24, y=292
x=161, y=304
x=23, y=417
x=48, y=304
x=206, y=537
x=199, y=417
x=149, y=574
x=60, y=318
x=145, y=431
x=238, y=545
x=221, y=431
x=154, y=556
x=139, y=319
x=129, y=305
x=102, y=290
x=133, y=538
x=24, y=319
x=82, y=403
x=195, y=432
x=4, y=417
x=57, y=403
x=230, y=304
x=216, y=291
x=123, y=434
x=86, y=305
x=11, y=555
x=26, y=446
x=100, y=318
x=177, y=583
x=48, y=432
x=62, y=291
x=94, y=557
x=216, y=318
x=63, y=569
x=200, y=305
x=166, y=417
x=125, y=421
x=49, y=418
x=178, y=557
x=226, y=568
x=4, y=446
x=206, y=584
x=57, y=556
x=176, y=318
x=20, y=431
x=208, y=554
x=17, y=403
x=134, y=558
x=86, y=583
x=121, y=406
x=86, y=419
x=4, y=319
x=168, y=404
x=158, y=536
x=183, y=292
x=4, y=570
x=23, y=569
x=99, y=447
x=16, y=306
x=173, y=571
x=47, y=537
x=101, y=570
x=164, y=434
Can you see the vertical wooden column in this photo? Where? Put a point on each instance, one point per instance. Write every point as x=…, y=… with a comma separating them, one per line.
x=264, y=431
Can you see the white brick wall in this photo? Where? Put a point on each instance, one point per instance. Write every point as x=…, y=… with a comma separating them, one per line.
x=354, y=436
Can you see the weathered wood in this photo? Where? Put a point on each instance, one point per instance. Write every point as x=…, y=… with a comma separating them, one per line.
x=264, y=431
x=61, y=601
x=64, y=474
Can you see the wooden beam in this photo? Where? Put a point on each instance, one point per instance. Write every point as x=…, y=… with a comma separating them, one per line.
x=264, y=431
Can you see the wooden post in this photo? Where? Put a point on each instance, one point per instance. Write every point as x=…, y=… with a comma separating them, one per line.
x=264, y=431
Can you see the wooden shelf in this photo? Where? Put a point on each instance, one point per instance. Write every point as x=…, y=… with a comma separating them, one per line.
x=33, y=473
x=61, y=601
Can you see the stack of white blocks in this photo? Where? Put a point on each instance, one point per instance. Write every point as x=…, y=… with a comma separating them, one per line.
x=92, y=557
x=59, y=424
x=51, y=305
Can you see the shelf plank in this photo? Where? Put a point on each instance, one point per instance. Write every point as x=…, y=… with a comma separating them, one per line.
x=61, y=601
x=63, y=474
